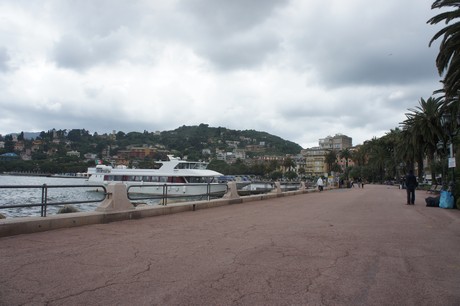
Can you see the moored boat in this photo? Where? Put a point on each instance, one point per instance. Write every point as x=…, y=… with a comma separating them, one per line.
x=175, y=177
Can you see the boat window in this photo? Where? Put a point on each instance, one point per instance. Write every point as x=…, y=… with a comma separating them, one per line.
x=176, y=179
x=163, y=179
x=191, y=165
x=102, y=169
x=197, y=179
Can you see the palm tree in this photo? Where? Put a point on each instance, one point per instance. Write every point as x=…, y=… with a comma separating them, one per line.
x=377, y=157
x=408, y=148
x=330, y=159
x=288, y=163
x=359, y=156
x=345, y=154
x=424, y=124
x=448, y=59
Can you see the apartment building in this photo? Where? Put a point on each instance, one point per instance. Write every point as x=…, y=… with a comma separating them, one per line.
x=337, y=142
x=315, y=158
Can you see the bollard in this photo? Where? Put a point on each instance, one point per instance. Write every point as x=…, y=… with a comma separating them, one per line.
x=116, y=200
x=277, y=187
x=232, y=192
x=303, y=186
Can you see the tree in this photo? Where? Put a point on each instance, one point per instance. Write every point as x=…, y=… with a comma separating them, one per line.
x=424, y=124
x=331, y=160
x=345, y=154
x=9, y=144
x=288, y=163
x=448, y=59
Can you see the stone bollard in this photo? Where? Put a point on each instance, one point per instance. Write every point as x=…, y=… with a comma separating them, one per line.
x=277, y=187
x=303, y=186
x=232, y=191
x=116, y=200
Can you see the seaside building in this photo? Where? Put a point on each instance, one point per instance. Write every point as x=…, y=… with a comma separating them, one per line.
x=315, y=158
x=337, y=142
x=315, y=161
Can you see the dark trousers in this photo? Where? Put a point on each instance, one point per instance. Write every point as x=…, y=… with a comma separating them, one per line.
x=410, y=196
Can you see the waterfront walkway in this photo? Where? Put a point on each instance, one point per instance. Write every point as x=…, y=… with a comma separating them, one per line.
x=340, y=247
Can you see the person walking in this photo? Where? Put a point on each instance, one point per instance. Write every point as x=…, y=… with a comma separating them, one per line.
x=411, y=184
x=320, y=184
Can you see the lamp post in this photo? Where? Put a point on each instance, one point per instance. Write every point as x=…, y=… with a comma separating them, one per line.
x=447, y=123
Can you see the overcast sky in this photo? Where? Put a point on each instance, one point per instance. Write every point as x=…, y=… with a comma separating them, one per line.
x=299, y=69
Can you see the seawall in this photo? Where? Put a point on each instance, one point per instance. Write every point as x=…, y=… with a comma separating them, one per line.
x=117, y=208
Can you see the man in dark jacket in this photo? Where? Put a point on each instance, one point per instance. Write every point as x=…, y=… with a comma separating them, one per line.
x=411, y=184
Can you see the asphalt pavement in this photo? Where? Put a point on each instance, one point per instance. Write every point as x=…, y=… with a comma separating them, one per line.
x=339, y=247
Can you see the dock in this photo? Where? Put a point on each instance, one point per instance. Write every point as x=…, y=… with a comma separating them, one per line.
x=357, y=246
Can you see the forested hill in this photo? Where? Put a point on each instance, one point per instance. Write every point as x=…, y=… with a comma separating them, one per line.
x=48, y=152
x=196, y=138
x=185, y=140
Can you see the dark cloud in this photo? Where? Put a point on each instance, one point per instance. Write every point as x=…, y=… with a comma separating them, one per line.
x=232, y=33
x=223, y=18
x=77, y=53
x=298, y=69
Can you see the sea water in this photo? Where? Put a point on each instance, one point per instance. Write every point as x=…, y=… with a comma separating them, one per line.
x=34, y=195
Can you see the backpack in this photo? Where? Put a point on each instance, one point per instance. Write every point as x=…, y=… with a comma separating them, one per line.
x=432, y=201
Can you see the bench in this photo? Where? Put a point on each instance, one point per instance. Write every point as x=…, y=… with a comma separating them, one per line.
x=432, y=189
x=438, y=189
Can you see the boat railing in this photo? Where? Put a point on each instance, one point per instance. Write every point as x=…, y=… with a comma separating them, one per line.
x=166, y=195
x=45, y=199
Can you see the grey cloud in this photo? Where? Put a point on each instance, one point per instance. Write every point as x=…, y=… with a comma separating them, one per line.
x=4, y=59
x=378, y=68
x=377, y=46
x=74, y=52
x=96, y=18
x=236, y=54
x=222, y=17
x=232, y=33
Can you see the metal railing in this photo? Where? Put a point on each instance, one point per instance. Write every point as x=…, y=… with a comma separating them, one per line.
x=45, y=198
x=289, y=186
x=163, y=191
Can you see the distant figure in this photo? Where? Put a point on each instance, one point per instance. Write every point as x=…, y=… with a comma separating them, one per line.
x=352, y=184
x=411, y=184
x=320, y=184
x=359, y=182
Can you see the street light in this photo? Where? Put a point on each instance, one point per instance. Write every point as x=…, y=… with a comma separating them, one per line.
x=447, y=123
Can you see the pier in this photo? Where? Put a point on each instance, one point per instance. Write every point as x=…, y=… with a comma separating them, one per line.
x=338, y=247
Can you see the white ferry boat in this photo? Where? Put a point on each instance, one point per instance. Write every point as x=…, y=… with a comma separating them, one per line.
x=175, y=177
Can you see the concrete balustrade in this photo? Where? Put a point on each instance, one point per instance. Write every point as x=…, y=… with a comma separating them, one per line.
x=116, y=199
x=117, y=207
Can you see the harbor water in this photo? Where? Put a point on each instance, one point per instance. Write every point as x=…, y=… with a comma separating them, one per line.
x=34, y=195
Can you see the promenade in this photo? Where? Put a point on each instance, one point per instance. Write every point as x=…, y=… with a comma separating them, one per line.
x=339, y=247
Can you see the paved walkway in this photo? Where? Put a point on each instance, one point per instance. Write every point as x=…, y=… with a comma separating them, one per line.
x=341, y=247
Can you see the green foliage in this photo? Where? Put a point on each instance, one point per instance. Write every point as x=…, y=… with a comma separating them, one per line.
x=50, y=155
x=290, y=175
x=219, y=166
x=276, y=175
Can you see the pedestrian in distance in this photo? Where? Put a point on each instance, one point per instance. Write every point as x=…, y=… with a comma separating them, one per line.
x=320, y=184
x=411, y=184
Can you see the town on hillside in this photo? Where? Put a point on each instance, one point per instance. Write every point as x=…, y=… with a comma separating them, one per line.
x=81, y=149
